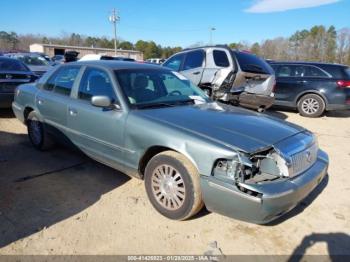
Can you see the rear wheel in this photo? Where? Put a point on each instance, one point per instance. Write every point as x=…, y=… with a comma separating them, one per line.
x=37, y=134
x=311, y=105
x=173, y=185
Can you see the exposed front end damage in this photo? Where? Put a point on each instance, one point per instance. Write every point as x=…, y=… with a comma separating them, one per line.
x=261, y=186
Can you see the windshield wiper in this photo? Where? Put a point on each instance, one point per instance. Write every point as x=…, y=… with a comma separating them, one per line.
x=155, y=105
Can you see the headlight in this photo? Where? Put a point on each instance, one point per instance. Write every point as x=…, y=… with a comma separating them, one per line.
x=231, y=168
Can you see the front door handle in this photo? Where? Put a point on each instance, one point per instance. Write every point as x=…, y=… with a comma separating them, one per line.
x=73, y=112
x=196, y=73
x=40, y=101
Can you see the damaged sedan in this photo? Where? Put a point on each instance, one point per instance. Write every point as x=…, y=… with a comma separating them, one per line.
x=151, y=123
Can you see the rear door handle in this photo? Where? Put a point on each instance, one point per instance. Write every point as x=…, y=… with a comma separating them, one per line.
x=196, y=73
x=73, y=112
x=301, y=81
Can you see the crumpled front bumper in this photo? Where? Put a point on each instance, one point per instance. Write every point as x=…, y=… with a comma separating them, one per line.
x=277, y=197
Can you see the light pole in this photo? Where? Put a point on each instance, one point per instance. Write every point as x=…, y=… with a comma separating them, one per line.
x=211, y=29
x=113, y=18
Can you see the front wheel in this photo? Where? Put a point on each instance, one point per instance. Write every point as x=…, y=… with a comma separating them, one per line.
x=311, y=105
x=173, y=185
x=37, y=134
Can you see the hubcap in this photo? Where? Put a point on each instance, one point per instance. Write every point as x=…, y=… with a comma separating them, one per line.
x=35, y=131
x=168, y=187
x=310, y=106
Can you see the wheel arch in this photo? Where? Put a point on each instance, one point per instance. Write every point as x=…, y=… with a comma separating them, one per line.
x=154, y=150
x=27, y=110
x=311, y=92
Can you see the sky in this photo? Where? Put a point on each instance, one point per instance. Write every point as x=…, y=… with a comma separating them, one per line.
x=174, y=23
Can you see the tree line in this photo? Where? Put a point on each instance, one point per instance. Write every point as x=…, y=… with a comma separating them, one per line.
x=316, y=44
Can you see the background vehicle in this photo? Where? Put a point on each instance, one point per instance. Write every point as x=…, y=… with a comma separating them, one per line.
x=189, y=150
x=35, y=62
x=312, y=88
x=155, y=60
x=57, y=59
x=227, y=75
x=12, y=74
x=92, y=57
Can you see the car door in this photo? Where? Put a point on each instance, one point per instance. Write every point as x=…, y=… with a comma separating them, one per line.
x=55, y=95
x=97, y=131
x=289, y=82
x=193, y=66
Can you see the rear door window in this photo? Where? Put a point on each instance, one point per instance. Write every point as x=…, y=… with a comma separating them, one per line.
x=194, y=59
x=62, y=80
x=284, y=71
x=175, y=62
x=220, y=58
x=252, y=63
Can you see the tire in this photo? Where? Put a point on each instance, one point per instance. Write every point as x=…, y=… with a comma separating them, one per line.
x=178, y=203
x=311, y=105
x=39, y=138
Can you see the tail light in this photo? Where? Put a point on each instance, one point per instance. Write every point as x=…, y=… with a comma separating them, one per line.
x=343, y=83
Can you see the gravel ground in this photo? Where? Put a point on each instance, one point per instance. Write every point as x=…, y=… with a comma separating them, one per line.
x=61, y=202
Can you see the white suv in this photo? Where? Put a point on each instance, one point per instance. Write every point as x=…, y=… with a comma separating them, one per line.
x=231, y=76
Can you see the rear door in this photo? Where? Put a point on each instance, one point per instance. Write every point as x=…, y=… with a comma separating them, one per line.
x=52, y=101
x=289, y=83
x=97, y=131
x=193, y=66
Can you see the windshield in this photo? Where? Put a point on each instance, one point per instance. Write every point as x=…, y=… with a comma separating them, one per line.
x=12, y=65
x=252, y=63
x=33, y=60
x=149, y=87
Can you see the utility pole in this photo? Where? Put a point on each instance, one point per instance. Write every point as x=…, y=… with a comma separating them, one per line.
x=113, y=18
x=211, y=29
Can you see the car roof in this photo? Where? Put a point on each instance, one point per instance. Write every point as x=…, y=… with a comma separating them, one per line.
x=304, y=63
x=117, y=65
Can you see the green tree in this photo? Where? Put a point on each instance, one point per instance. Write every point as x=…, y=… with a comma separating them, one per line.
x=331, y=44
x=255, y=49
x=126, y=45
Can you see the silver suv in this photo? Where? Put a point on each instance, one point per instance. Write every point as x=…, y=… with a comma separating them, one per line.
x=231, y=76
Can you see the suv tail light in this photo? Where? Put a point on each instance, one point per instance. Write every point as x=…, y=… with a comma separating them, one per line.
x=343, y=83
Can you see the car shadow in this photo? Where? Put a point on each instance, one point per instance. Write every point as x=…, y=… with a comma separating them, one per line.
x=277, y=114
x=303, y=204
x=40, y=189
x=6, y=113
x=338, y=114
x=338, y=245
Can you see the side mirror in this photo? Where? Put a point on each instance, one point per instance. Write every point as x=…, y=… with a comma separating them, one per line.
x=101, y=101
x=104, y=102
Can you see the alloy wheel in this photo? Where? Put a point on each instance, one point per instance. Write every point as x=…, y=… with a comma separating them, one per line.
x=168, y=187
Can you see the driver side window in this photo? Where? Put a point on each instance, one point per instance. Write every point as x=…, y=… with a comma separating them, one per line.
x=96, y=82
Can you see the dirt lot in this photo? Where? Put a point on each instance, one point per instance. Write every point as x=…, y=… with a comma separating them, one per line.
x=61, y=202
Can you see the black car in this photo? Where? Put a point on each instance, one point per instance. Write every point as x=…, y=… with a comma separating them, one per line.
x=12, y=73
x=312, y=88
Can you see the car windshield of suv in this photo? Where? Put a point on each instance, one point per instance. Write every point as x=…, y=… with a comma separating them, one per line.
x=12, y=65
x=33, y=60
x=253, y=64
x=147, y=88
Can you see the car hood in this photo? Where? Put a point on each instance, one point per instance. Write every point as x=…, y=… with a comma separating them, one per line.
x=230, y=126
x=39, y=68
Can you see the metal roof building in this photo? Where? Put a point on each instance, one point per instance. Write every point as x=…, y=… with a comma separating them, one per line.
x=51, y=50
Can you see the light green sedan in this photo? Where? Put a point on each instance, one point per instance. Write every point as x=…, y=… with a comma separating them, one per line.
x=152, y=123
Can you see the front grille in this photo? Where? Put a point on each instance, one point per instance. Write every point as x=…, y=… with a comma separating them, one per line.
x=39, y=73
x=303, y=160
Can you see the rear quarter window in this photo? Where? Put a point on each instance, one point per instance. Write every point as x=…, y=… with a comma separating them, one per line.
x=252, y=63
x=335, y=71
